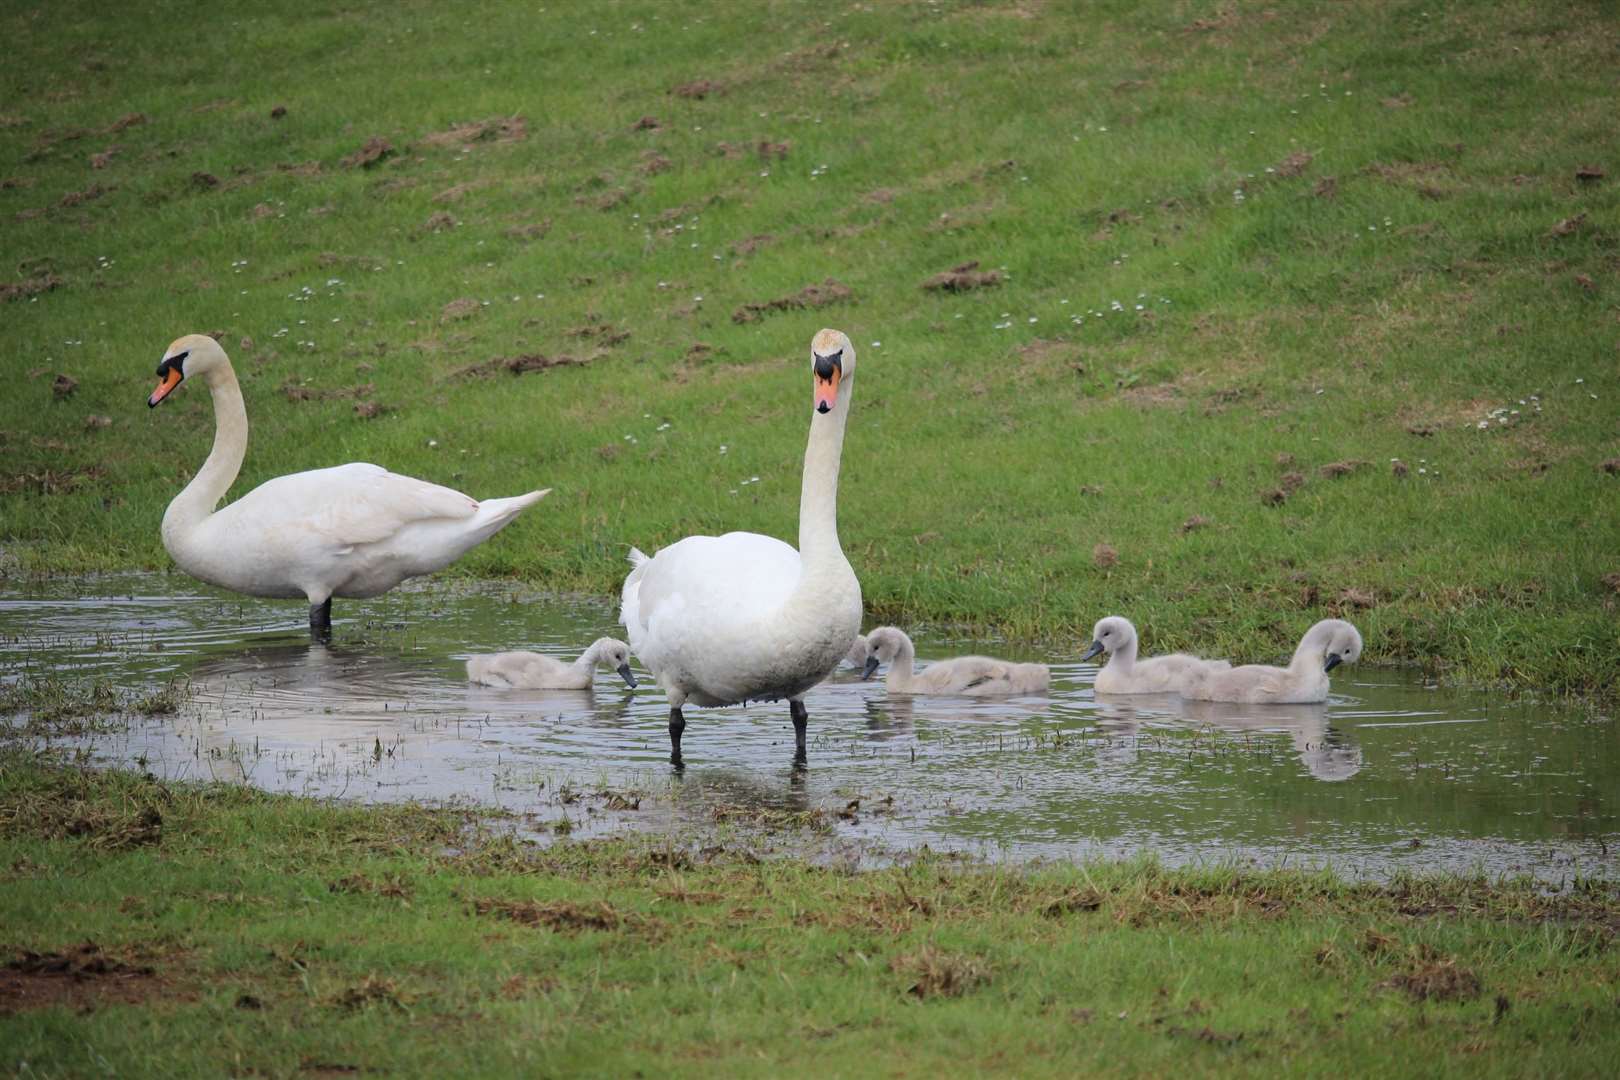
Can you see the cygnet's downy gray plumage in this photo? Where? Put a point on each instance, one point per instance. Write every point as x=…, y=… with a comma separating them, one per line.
x=1325, y=646
x=532, y=671
x=1125, y=674
x=973, y=676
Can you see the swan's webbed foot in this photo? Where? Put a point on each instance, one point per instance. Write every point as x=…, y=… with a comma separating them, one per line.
x=677, y=724
x=320, y=618
x=801, y=717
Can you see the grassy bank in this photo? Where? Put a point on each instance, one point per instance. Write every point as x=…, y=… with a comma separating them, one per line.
x=1298, y=311
x=156, y=928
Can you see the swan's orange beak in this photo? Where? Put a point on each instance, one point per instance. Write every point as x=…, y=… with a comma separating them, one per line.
x=829, y=370
x=171, y=379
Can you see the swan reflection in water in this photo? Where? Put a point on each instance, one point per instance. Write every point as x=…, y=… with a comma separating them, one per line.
x=1328, y=753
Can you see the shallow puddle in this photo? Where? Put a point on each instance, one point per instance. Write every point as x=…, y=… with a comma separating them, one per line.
x=1390, y=774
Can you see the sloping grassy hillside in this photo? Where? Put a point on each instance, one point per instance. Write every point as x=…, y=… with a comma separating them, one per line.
x=1298, y=310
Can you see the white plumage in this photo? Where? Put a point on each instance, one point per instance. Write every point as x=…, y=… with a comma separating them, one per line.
x=353, y=530
x=535, y=671
x=1325, y=646
x=971, y=676
x=721, y=620
x=1125, y=674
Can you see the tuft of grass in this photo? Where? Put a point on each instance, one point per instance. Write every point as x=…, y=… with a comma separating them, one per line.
x=510, y=251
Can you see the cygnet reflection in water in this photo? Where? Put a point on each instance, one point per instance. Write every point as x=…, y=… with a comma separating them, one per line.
x=1328, y=753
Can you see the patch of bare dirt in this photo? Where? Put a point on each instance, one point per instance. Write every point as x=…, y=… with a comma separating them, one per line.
x=647, y=123
x=1589, y=174
x=498, y=130
x=519, y=365
x=79, y=977
x=103, y=159
x=204, y=181
x=1194, y=523
x=464, y=308
x=1611, y=466
x=440, y=221
x=652, y=163
x=603, y=333
x=963, y=278
x=830, y=291
x=63, y=386
x=743, y=248
x=300, y=168
x=1103, y=556
x=128, y=120
x=1326, y=188
x=358, y=884
x=1440, y=980
x=1399, y=101
x=934, y=973
x=559, y=916
x=454, y=194
x=772, y=151
x=296, y=392
x=373, y=153
x=607, y=200
x=1342, y=468
x=532, y=230
x=21, y=290
x=97, y=422
x=1612, y=581
x=1293, y=165
x=1569, y=226
x=49, y=481
x=697, y=89
x=77, y=198
x=278, y=112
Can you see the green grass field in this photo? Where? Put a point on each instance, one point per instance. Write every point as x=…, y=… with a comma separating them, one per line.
x=174, y=930
x=1249, y=256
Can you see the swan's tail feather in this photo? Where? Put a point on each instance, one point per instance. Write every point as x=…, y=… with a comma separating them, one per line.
x=630, y=597
x=495, y=514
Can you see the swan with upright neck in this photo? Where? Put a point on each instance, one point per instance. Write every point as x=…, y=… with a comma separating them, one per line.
x=1125, y=674
x=1324, y=647
x=535, y=671
x=723, y=620
x=353, y=530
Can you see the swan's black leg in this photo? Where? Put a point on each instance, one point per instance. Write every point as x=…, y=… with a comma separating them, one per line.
x=677, y=724
x=801, y=716
x=320, y=618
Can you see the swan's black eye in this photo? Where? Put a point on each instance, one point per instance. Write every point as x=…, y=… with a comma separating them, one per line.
x=175, y=362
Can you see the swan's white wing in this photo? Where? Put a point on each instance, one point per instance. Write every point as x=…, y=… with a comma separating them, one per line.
x=742, y=574
x=351, y=505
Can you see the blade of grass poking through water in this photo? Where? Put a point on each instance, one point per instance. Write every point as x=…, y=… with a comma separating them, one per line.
x=1131, y=268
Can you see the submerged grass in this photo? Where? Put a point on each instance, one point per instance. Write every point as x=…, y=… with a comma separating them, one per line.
x=248, y=933
x=1279, y=313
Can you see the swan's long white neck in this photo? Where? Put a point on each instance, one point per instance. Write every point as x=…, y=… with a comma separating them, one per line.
x=1309, y=655
x=1123, y=659
x=902, y=669
x=819, y=550
x=193, y=505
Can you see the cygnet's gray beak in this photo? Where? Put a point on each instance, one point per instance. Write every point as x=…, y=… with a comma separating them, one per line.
x=1096, y=647
x=1333, y=661
x=625, y=674
x=871, y=666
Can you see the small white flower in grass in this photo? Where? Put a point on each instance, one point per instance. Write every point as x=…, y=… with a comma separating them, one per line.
x=1579, y=381
x=694, y=245
x=1139, y=307
x=877, y=344
x=1483, y=424
x=662, y=427
x=336, y=319
x=433, y=444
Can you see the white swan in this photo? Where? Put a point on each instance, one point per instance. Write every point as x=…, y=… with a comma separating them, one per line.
x=1325, y=646
x=856, y=657
x=1125, y=674
x=353, y=530
x=972, y=676
x=743, y=617
x=532, y=671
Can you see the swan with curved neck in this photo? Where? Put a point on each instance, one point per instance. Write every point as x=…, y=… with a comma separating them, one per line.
x=1324, y=647
x=970, y=676
x=353, y=530
x=723, y=620
x=1125, y=674
x=535, y=671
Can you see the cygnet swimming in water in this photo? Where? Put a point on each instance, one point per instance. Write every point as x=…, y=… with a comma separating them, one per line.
x=1324, y=647
x=1125, y=674
x=973, y=676
x=532, y=671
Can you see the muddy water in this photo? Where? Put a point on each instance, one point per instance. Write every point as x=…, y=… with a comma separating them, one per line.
x=1390, y=774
